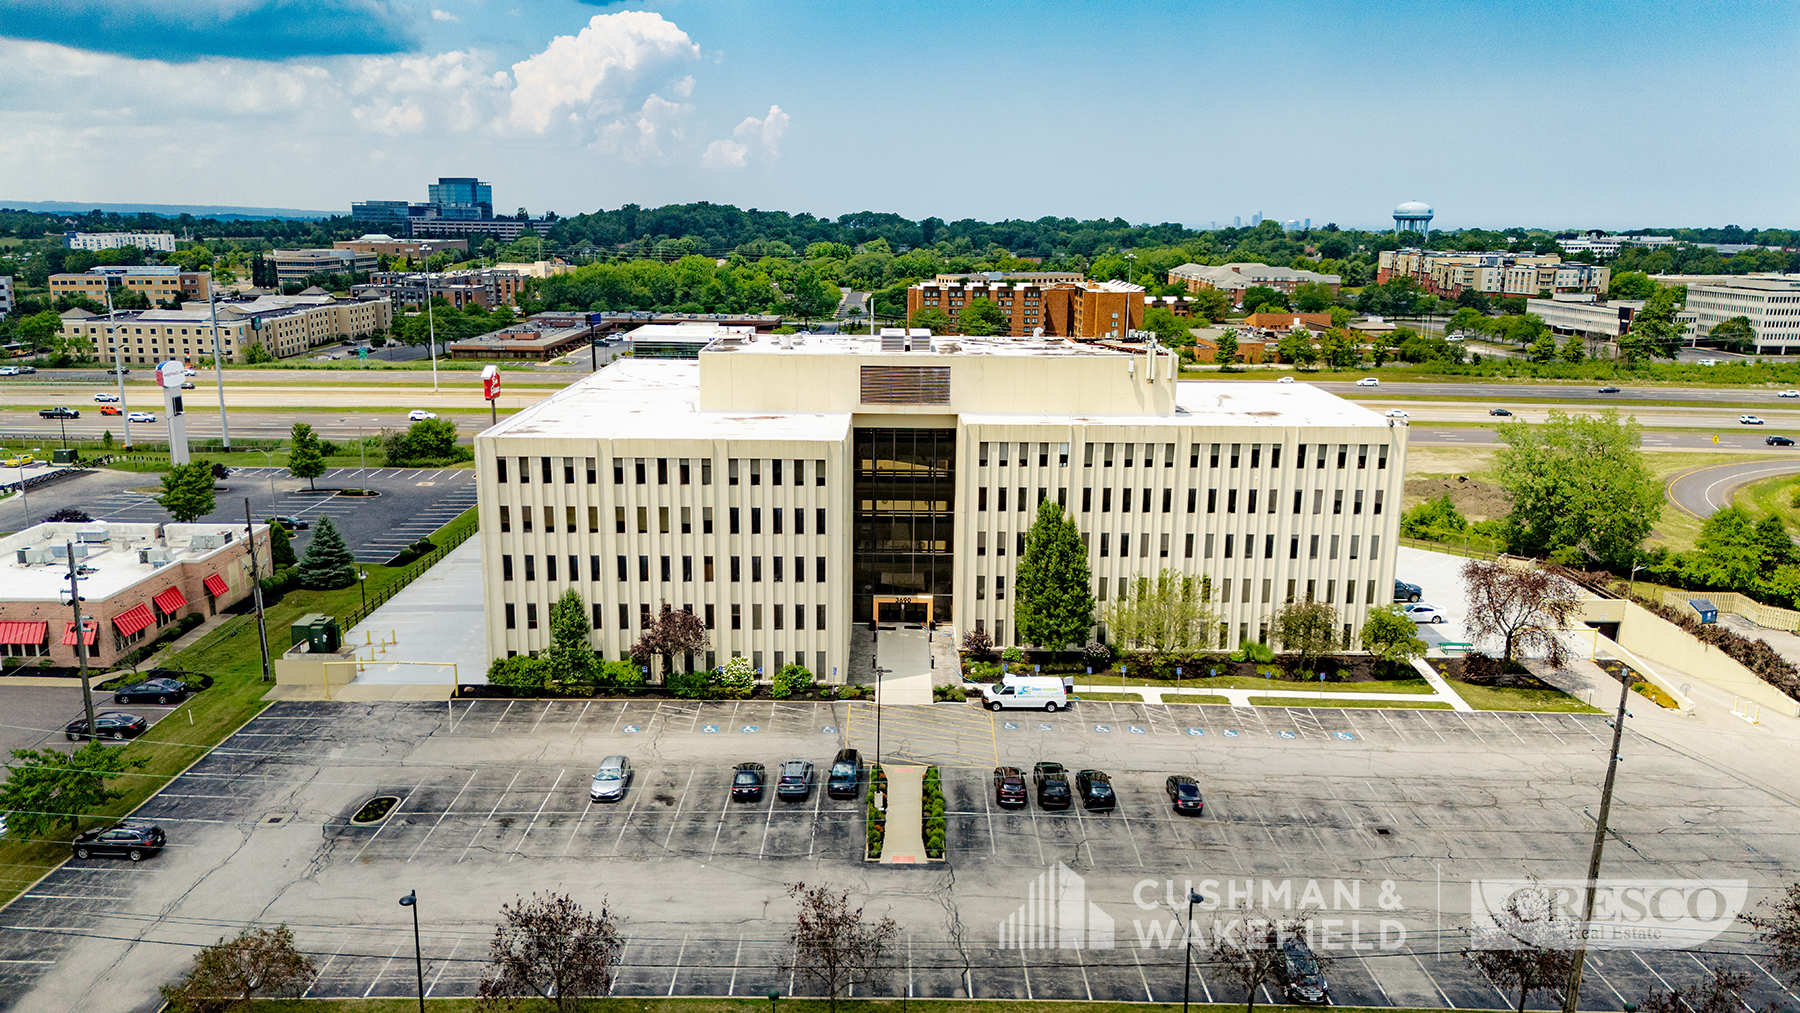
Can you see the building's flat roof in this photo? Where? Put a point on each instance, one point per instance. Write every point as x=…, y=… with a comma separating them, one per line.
x=115, y=560
x=1217, y=403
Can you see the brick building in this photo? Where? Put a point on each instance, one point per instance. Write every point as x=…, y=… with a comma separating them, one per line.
x=1236, y=278
x=1052, y=308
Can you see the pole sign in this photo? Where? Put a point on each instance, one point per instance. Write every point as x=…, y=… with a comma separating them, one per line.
x=490, y=382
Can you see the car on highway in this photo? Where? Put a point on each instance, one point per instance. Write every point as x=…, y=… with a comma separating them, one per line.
x=1609, y=389
x=59, y=412
x=845, y=777
x=1420, y=613
x=420, y=415
x=1789, y=393
x=1184, y=794
x=26, y=370
x=189, y=371
x=107, y=725
x=1499, y=411
x=1749, y=420
x=105, y=398
x=164, y=691
x=747, y=782
x=1708, y=362
x=9, y=371
x=133, y=839
x=1301, y=978
x=1052, y=781
x=1096, y=790
x=1009, y=787
x=118, y=372
x=292, y=523
x=141, y=417
x=1779, y=441
x=19, y=462
x=611, y=780
x=187, y=385
x=794, y=781
x=111, y=409
x=1395, y=413
x=1368, y=381
x=1407, y=592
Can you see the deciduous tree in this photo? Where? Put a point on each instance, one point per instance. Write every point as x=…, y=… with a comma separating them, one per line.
x=931, y=318
x=982, y=318
x=1225, y=350
x=674, y=631
x=305, y=457
x=188, y=491
x=1524, y=969
x=45, y=788
x=552, y=948
x=1655, y=331
x=1247, y=949
x=1308, y=629
x=1391, y=635
x=836, y=946
x=1778, y=925
x=1169, y=329
x=230, y=974
x=1733, y=335
x=1526, y=607
x=1169, y=614
x=1053, y=601
x=1579, y=488
x=1721, y=992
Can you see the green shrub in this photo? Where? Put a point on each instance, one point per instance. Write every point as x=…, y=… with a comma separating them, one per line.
x=1012, y=655
x=790, y=680
x=687, y=685
x=734, y=680
x=519, y=672
x=623, y=676
x=1259, y=652
x=981, y=671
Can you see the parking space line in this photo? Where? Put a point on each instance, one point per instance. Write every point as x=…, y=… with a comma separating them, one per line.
x=1026, y=970
x=386, y=823
x=580, y=717
x=1547, y=727
x=676, y=816
x=813, y=831
x=1131, y=836
x=737, y=960
x=719, y=831
x=678, y=955
x=1594, y=964
x=1440, y=989
x=327, y=966
x=1148, y=995
x=477, y=835
x=502, y=717
x=540, y=718
x=383, y=970
x=1653, y=972
x=1082, y=965
x=1778, y=982
x=768, y=822
x=1470, y=725
x=540, y=812
x=623, y=948
x=442, y=815
x=455, y=941
x=625, y=824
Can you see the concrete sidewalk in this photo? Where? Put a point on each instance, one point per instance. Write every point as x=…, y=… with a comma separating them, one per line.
x=1245, y=697
x=904, y=841
x=437, y=618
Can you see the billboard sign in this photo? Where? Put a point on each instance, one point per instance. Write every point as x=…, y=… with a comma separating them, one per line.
x=490, y=382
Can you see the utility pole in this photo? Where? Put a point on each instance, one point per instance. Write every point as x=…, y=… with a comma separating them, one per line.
x=262, y=629
x=218, y=360
x=118, y=362
x=87, y=688
x=1572, y=992
x=431, y=326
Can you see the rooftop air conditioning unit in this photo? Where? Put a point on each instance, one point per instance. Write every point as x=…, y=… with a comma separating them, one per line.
x=205, y=542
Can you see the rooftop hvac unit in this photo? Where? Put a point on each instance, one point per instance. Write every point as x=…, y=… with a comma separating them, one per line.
x=893, y=342
x=205, y=541
x=92, y=535
x=155, y=557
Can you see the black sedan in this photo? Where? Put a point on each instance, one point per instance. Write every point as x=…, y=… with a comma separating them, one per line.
x=108, y=725
x=1499, y=411
x=1184, y=794
x=1095, y=789
x=1052, y=780
x=1609, y=389
x=747, y=782
x=1779, y=441
x=1009, y=787
x=154, y=691
x=292, y=523
x=133, y=839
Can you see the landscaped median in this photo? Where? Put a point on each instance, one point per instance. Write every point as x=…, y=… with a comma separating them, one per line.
x=1251, y=691
x=232, y=656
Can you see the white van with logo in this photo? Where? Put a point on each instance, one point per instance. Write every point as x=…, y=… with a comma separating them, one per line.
x=1026, y=691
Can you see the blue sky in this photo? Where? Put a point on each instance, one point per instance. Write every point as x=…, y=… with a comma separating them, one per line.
x=1570, y=114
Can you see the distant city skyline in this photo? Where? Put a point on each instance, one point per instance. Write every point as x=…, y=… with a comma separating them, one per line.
x=572, y=107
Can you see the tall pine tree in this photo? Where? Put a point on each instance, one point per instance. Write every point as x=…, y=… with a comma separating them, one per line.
x=306, y=459
x=1053, y=605
x=328, y=563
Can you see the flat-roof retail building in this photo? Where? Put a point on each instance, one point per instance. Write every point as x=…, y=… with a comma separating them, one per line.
x=786, y=487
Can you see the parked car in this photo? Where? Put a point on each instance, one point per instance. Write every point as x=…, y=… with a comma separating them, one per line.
x=111, y=409
x=105, y=397
x=1395, y=413
x=1303, y=981
x=164, y=691
x=1052, y=781
x=1407, y=592
x=845, y=779
x=1285, y=379
x=611, y=780
x=420, y=415
x=1368, y=381
x=1499, y=411
x=1009, y=787
x=133, y=839
x=794, y=782
x=1749, y=420
x=1184, y=794
x=1609, y=389
x=747, y=782
x=1095, y=789
x=1789, y=393
x=1423, y=613
x=141, y=417
x=20, y=461
x=107, y=725
x=59, y=412
x=1779, y=441
x=292, y=523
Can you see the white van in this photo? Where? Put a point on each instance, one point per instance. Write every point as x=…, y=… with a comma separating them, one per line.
x=1027, y=691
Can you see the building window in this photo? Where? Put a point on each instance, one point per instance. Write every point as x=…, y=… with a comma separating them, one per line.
x=618, y=520
x=500, y=468
x=1337, y=501
x=755, y=569
x=1313, y=553
x=1378, y=501
x=819, y=573
x=593, y=476
x=819, y=521
x=736, y=572
x=506, y=570
x=512, y=622
x=549, y=567
x=623, y=576
x=531, y=615
x=756, y=471
x=530, y=567
x=505, y=519
x=594, y=569
x=644, y=568
x=737, y=617
x=597, y=615
x=637, y=468
x=593, y=520
x=1189, y=553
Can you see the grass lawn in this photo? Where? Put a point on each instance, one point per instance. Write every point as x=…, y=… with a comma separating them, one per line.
x=1303, y=701
x=1771, y=496
x=637, y=1004
x=231, y=655
x=1193, y=698
x=1269, y=685
x=1491, y=698
x=1107, y=697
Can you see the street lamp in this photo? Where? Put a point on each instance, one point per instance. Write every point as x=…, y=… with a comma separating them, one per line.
x=411, y=900
x=270, y=454
x=1187, y=950
x=362, y=575
x=1632, y=583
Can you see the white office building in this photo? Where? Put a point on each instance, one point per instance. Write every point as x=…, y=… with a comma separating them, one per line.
x=1585, y=314
x=1772, y=302
x=787, y=488
x=6, y=294
x=163, y=241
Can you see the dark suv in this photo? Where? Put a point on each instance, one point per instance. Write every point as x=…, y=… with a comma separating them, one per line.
x=133, y=839
x=1052, y=780
x=1096, y=790
x=845, y=779
x=1407, y=592
x=747, y=782
x=794, y=781
x=1009, y=787
x=1304, y=982
x=1184, y=794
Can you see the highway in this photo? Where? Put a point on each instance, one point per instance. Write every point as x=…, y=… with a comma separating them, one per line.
x=1700, y=491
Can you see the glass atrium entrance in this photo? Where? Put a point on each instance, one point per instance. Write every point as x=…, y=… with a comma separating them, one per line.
x=904, y=502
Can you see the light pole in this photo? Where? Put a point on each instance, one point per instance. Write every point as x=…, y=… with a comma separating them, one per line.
x=1187, y=951
x=361, y=576
x=75, y=600
x=1632, y=583
x=411, y=900
x=270, y=454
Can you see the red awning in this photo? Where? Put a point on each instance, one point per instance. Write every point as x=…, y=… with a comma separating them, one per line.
x=15, y=632
x=170, y=600
x=132, y=620
x=92, y=633
x=215, y=585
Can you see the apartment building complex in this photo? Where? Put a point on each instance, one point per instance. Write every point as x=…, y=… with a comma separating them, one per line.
x=162, y=241
x=1446, y=275
x=1772, y=302
x=1236, y=278
x=1051, y=308
x=284, y=324
x=416, y=249
x=786, y=488
x=542, y=337
x=158, y=283
x=487, y=287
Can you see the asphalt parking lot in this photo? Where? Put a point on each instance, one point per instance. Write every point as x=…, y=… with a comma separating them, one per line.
x=34, y=716
x=413, y=503
x=1395, y=810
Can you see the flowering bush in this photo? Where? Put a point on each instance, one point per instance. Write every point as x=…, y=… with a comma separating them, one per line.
x=734, y=680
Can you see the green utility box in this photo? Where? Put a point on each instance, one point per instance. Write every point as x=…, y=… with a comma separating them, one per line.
x=64, y=455
x=318, y=629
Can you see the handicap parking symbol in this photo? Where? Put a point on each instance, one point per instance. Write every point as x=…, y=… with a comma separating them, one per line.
x=1042, y=727
x=1103, y=728
x=1136, y=729
x=1231, y=733
x=1011, y=726
x=748, y=729
x=709, y=729
x=1287, y=735
x=631, y=729
x=1346, y=735
x=1196, y=731
x=828, y=729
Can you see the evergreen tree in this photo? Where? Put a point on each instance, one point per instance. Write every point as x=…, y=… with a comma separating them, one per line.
x=1053, y=604
x=570, y=656
x=1226, y=349
x=305, y=458
x=328, y=563
x=281, y=545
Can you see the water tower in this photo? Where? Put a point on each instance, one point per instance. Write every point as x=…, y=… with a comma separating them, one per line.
x=1413, y=216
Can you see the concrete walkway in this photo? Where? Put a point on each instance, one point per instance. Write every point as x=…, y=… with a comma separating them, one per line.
x=904, y=659
x=1437, y=682
x=1245, y=697
x=437, y=618
x=904, y=841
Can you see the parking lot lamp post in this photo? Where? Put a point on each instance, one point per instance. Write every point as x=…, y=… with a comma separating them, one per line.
x=270, y=454
x=1187, y=951
x=361, y=576
x=118, y=362
x=1632, y=583
x=411, y=900
x=774, y=994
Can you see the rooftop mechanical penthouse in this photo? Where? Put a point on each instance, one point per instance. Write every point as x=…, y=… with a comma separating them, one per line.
x=786, y=488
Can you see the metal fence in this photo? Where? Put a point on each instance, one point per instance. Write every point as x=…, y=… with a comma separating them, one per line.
x=412, y=572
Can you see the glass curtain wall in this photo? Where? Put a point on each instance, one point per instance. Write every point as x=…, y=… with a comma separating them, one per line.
x=905, y=498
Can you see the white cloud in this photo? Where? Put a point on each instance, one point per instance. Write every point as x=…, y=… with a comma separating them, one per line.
x=590, y=74
x=640, y=138
x=725, y=155
x=763, y=131
x=437, y=15
x=769, y=129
